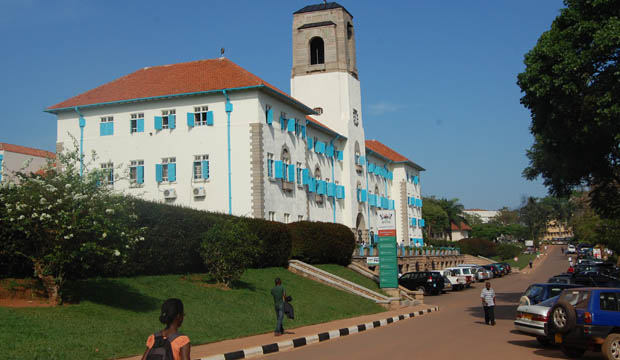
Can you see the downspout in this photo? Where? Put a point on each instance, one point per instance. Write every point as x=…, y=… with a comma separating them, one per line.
x=82, y=125
x=229, y=109
x=334, y=177
x=367, y=192
x=386, y=179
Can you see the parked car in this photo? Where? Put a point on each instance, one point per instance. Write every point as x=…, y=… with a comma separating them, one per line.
x=494, y=270
x=537, y=293
x=426, y=281
x=479, y=273
x=531, y=319
x=457, y=281
x=447, y=285
x=469, y=278
x=508, y=267
x=586, y=319
x=502, y=268
x=571, y=249
x=561, y=279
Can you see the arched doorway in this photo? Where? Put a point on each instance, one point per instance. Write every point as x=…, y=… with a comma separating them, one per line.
x=360, y=228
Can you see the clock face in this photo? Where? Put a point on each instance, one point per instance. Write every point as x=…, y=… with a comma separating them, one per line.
x=356, y=117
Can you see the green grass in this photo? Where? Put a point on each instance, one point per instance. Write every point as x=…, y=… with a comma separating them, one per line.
x=116, y=315
x=524, y=260
x=354, y=277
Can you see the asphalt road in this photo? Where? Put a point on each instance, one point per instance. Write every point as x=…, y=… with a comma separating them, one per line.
x=457, y=331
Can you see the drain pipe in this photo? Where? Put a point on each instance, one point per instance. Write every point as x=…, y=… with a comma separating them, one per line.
x=229, y=109
x=334, y=177
x=82, y=125
x=367, y=192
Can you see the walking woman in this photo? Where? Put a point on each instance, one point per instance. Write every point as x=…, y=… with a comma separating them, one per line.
x=168, y=343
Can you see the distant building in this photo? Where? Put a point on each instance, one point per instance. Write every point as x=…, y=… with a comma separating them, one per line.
x=13, y=158
x=485, y=215
x=557, y=231
x=459, y=232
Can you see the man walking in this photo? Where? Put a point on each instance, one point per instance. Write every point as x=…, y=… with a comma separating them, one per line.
x=279, y=294
x=488, y=302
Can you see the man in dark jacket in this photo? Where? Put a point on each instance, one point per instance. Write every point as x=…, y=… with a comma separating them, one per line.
x=279, y=294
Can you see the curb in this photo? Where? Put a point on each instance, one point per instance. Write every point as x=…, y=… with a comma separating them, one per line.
x=306, y=340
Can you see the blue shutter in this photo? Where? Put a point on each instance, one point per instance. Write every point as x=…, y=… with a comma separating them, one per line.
x=270, y=116
x=205, y=169
x=392, y=205
x=303, y=131
x=416, y=180
x=413, y=222
x=172, y=121
x=329, y=151
x=140, y=174
x=291, y=173
x=421, y=204
x=362, y=160
x=158, y=122
x=340, y=191
x=340, y=155
x=319, y=147
x=371, y=167
x=311, y=185
x=279, y=170
x=364, y=195
x=290, y=125
x=140, y=125
x=102, y=129
x=209, y=117
x=172, y=172
x=323, y=187
x=310, y=144
x=305, y=176
x=331, y=189
x=422, y=222
x=190, y=119
x=159, y=171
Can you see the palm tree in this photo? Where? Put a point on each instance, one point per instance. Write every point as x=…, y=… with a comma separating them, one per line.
x=454, y=209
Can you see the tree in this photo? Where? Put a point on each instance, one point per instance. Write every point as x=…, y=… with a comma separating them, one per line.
x=454, y=210
x=65, y=224
x=534, y=215
x=506, y=217
x=488, y=231
x=571, y=86
x=435, y=217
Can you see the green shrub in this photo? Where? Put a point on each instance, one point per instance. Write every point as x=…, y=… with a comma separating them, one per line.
x=477, y=246
x=508, y=251
x=228, y=249
x=322, y=243
x=273, y=243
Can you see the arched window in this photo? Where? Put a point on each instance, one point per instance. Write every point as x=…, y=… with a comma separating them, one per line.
x=317, y=173
x=317, y=51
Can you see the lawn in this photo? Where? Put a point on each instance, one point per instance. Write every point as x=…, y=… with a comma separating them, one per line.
x=524, y=260
x=354, y=277
x=116, y=315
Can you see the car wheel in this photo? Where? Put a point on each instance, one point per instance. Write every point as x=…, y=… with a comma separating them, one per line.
x=562, y=317
x=572, y=352
x=543, y=340
x=422, y=289
x=611, y=347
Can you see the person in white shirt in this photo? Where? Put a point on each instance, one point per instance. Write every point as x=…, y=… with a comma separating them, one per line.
x=488, y=302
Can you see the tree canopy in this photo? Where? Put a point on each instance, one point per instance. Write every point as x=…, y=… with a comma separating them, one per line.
x=571, y=86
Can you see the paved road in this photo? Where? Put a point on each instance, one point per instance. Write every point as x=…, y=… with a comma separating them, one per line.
x=457, y=331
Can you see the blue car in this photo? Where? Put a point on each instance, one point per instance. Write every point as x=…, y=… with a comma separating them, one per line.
x=536, y=293
x=586, y=319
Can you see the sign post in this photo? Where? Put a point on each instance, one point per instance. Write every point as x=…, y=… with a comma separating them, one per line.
x=388, y=259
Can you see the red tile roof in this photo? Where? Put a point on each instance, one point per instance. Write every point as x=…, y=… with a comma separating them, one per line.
x=462, y=227
x=168, y=80
x=385, y=151
x=27, y=151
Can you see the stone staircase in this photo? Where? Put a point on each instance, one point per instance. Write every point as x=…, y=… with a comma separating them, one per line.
x=478, y=260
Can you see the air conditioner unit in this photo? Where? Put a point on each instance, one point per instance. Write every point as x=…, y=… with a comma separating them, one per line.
x=199, y=192
x=170, y=194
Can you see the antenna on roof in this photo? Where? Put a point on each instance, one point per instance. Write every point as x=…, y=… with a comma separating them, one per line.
x=222, y=52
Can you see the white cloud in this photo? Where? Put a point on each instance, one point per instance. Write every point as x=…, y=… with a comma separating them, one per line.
x=384, y=108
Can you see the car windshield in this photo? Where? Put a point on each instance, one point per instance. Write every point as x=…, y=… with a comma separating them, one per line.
x=534, y=293
x=465, y=271
x=549, y=302
x=555, y=290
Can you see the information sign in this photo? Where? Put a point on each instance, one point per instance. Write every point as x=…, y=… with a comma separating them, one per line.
x=388, y=256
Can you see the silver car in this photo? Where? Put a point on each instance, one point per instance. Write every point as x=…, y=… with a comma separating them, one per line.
x=531, y=319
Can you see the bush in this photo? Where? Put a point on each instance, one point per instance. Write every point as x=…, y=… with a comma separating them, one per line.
x=477, y=246
x=228, y=248
x=508, y=251
x=322, y=243
x=273, y=243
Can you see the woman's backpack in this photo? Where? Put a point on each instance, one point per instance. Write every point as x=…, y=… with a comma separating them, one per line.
x=162, y=350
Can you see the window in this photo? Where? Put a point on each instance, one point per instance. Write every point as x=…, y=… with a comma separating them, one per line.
x=270, y=165
x=299, y=173
x=137, y=122
x=286, y=160
x=200, y=115
x=317, y=51
x=300, y=218
x=287, y=218
x=107, y=119
x=272, y=216
x=318, y=110
x=268, y=114
x=356, y=117
x=167, y=119
x=106, y=127
x=167, y=165
x=609, y=301
x=136, y=172
x=201, y=167
x=108, y=170
x=283, y=120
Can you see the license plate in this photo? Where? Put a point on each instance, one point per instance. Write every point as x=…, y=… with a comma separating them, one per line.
x=558, y=338
x=526, y=316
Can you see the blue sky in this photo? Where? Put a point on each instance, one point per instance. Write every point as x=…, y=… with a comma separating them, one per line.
x=438, y=77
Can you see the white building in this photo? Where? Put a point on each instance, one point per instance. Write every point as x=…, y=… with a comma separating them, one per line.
x=484, y=215
x=14, y=158
x=210, y=135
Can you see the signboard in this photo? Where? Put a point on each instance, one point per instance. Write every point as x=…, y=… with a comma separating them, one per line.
x=388, y=256
x=529, y=242
x=372, y=260
x=596, y=253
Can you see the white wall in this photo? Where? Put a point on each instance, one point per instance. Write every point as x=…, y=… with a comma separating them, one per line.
x=14, y=162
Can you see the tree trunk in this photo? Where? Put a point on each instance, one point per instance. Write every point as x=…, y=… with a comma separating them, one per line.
x=52, y=287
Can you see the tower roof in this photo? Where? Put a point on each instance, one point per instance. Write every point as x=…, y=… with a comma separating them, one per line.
x=320, y=7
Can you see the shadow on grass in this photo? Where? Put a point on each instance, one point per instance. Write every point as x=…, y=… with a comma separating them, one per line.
x=111, y=293
x=242, y=285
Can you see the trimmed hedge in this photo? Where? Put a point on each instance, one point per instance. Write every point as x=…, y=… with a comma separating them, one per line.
x=274, y=243
x=478, y=246
x=322, y=243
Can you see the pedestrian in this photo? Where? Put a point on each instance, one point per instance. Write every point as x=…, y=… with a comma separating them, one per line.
x=488, y=303
x=570, y=270
x=530, y=264
x=278, y=294
x=168, y=343
x=570, y=260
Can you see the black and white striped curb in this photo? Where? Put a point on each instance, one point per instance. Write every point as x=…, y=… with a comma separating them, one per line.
x=295, y=343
